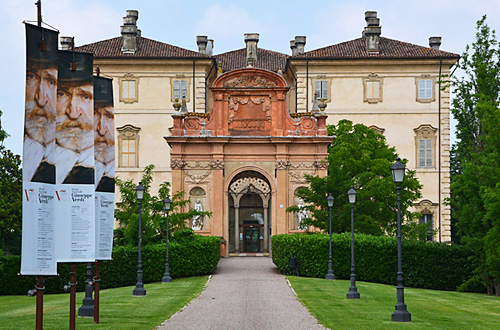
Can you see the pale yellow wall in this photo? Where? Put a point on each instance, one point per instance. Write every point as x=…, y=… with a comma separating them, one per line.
x=398, y=113
x=154, y=107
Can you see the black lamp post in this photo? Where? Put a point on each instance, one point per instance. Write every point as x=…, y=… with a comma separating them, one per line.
x=139, y=286
x=353, y=290
x=400, y=313
x=166, y=208
x=87, y=308
x=330, y=275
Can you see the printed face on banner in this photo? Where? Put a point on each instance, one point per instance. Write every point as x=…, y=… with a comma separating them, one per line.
x=40, y=106
x=104, y=137
x=75, y=124
x=104, y=141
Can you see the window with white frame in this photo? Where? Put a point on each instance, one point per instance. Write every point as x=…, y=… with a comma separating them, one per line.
x=425, y=143
x=180, y=89
x=321, y=89
x=425, y=153
x=425, y=89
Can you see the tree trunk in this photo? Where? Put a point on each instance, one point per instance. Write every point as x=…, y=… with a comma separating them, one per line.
x=6, y=247
x=497, y=288
x=490, y=290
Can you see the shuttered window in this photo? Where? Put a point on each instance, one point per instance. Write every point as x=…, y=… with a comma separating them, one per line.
x=425, y=89
x=321, y=89
x=425, y=153
x=180, y=89
x=373, y=89
x=128, y=89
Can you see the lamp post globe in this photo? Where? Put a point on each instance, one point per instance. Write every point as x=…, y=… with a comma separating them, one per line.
x=400, y=313
x=167, y=203
x=330, y=275
x=353, y=290
x=139, y=286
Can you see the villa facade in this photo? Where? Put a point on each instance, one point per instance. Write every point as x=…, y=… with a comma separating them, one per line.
x=237, y=131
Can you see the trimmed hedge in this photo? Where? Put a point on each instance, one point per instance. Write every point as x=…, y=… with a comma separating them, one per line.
x=195, y=256
x=427, y=265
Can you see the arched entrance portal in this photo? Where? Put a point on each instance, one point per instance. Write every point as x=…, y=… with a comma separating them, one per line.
x=249, y=210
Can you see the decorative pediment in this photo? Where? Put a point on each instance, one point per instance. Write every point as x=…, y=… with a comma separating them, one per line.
x=425, y=131
x=128, y=131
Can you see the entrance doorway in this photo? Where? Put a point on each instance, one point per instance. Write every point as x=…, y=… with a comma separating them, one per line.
x=249, y=211
x=252, y=237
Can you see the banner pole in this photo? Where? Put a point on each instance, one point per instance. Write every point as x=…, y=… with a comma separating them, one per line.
x=39, y=12
x=40, y=287
x=72, y=296
x=97, y=279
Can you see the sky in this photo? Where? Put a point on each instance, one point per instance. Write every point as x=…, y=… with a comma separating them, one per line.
x=178, y=22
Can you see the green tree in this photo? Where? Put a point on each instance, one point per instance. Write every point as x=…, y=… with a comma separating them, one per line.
x=475, y=161
x=360, y=157
x=153, y=221
x=11, y=187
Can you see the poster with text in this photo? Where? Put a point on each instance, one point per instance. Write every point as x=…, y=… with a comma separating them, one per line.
x=74, y=159
x=104, y=153
x=37, y=252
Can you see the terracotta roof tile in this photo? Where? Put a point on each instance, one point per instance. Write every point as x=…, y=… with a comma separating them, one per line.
x=266, y=59
x=389, y=49
x=145, y=48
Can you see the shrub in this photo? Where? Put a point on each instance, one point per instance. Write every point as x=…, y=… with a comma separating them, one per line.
x=193, y=256
x=427, y=265
x=474, y=284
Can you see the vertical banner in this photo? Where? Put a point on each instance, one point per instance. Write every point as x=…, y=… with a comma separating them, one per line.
x=74, y=158
x=37, y=256
x=104, y=151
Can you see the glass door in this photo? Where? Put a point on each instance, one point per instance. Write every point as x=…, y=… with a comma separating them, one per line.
x=252, y=237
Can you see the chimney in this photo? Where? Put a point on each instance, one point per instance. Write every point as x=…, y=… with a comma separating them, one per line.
x=300, y=44
x=434, y=42
x=372, y=32
x=251, y=40
x=210, y=47
x=293, y=47
x=202, y=41
x=129, y=32
x=66, y=43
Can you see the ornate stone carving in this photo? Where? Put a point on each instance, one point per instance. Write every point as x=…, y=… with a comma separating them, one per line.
x=252, y=184
x=302, y=165
x=298, y=177
x=250, y=81
x=198, y=165
x=425, y=132
x=282, y=164
x=308, y=123
x=217, y=164
x=192, y=123
x=321, y=164
x=177, y=163
x=196, y=178
x=235, y=101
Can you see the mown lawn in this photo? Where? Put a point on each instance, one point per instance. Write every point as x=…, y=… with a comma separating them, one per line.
x=118, y=308
x=429, y=309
